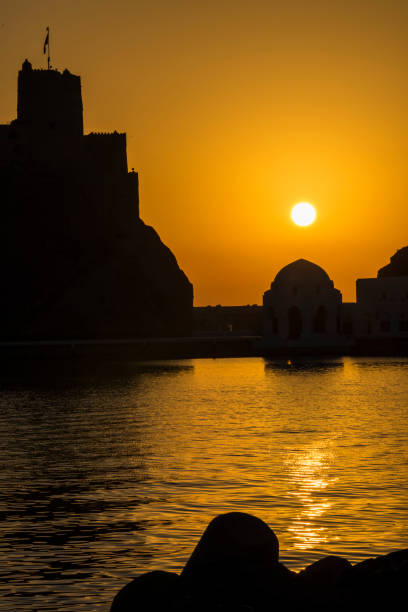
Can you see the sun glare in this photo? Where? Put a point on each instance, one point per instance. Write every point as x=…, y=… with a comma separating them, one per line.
x=303, y=214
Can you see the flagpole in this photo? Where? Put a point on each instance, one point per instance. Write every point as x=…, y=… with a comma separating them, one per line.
x=48, y=46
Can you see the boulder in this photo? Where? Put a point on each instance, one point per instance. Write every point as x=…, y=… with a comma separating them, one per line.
x=318, y=583
x=151, y=592
x=236, y=562
x=235, y=568
x=378, y=583
x=235, y=537
x=324, y=573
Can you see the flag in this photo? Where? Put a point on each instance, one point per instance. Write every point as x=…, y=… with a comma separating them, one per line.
x=46, y=41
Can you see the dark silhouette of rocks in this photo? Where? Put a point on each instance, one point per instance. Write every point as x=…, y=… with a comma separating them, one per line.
x=375, y=584
x=76, y=260
x=235, y=538
x=324, y=572
x=398, y=265
x=152, y=591
x=235, y=567
x=235, y=561
x=318, y=581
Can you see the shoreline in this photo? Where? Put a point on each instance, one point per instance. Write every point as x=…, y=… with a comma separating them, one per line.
x=188, y=348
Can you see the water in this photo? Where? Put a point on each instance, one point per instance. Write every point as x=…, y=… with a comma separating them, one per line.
x=113, y=471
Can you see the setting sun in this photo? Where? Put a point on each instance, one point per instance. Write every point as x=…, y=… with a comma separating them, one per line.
x=303, y=214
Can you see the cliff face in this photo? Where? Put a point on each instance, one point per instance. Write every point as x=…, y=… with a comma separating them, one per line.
x=398, y=265
x=72, y=268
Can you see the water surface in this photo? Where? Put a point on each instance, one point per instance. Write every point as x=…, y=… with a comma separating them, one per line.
x=111, y=471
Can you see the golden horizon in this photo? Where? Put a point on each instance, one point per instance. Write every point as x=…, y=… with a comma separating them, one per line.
x=229, y=125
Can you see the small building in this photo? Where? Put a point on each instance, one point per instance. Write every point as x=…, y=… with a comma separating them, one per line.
x=382, y=302
x=302, y=308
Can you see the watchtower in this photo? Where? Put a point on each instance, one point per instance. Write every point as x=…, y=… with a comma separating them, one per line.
x=49, y=111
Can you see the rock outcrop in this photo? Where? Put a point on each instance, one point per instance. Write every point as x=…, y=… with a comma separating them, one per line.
x=235, y=567
x=68, y=273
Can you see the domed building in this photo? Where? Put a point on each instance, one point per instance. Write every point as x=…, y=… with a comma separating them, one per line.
x=302, y=308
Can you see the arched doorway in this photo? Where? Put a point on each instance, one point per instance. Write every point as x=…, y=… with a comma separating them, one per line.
x=320, y=320
x=295, y=323
x=273, y=319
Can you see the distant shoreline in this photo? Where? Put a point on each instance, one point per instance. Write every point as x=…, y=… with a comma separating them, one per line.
x=187, y=348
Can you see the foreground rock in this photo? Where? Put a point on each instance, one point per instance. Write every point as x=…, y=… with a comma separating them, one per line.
x=151, y=591
x=235, y=568
x=319, y=582
x=373, y=584
x=236, y=562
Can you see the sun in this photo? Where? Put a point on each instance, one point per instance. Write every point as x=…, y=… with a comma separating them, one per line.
x=303, y=214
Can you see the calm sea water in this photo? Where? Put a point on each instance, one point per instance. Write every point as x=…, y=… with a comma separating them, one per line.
x=110, y=472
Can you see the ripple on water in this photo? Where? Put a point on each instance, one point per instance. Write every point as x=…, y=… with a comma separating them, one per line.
x=111, y=473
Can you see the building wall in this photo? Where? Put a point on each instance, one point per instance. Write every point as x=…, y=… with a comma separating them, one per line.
x=49, y=110
x=133, y=195
x=227, y=320
x=102, y=153
x=349, y=320
x=302, y=313
x=382, y=305
x=5, y=144
x=378, y=319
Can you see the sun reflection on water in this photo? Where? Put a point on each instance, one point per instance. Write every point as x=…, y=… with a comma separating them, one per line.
x=308, y=472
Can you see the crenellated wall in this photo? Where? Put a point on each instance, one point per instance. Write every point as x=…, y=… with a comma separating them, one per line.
x=105, y=152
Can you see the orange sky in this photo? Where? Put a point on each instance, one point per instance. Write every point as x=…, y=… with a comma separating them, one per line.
x=235, y=111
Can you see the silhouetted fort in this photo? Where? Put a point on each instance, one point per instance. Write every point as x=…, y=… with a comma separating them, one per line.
x=76, y=260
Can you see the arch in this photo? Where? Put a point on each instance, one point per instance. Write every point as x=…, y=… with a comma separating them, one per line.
x=320, y=320
x=295, y=323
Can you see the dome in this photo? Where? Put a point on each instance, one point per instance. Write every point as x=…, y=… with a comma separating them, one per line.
x=398, y=265
x=302, y=271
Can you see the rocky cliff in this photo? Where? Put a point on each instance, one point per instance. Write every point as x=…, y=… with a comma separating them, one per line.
x=73, y=269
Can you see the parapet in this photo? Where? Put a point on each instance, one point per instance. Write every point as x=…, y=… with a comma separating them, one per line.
x=28, y=67
x=106, y=149
x=51, y=75
x=114, y=134
x=50, y=97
